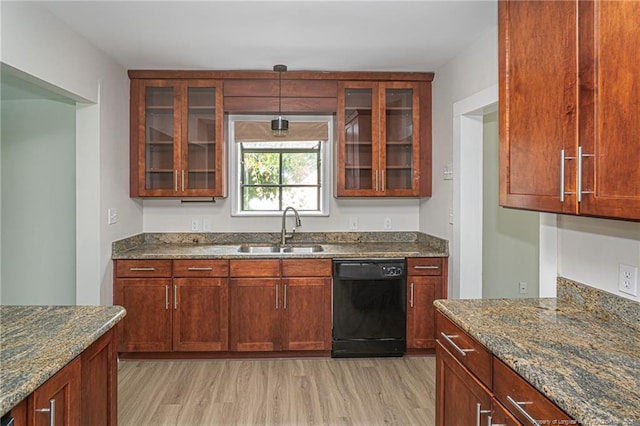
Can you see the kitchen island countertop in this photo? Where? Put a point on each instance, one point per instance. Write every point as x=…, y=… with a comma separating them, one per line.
x=38, y=341
x=580, y=354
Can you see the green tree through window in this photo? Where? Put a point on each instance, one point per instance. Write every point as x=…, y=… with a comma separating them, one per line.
x=275, y=175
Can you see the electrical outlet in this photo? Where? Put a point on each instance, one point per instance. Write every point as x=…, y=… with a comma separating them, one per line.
x=353, y=222
x=195, y=225
x=628, y=279
x=387, y=223
x=523, y=287
x=206, y=225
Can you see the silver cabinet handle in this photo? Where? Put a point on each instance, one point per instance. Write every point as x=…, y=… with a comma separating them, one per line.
x=517, y=405
x=376, y=181
x=382, y=182
x=562, y=175
x=276, y=296
x=284, y=302
x=175, y=174
x=462, y=352
x=142, y=269
x=166, y=297
x=182, y=186
x=580, y=157
x=480, y=412
x=175, y=297
x=195, y=268
x=411, y=298
x=51, y=410
x=426, y=267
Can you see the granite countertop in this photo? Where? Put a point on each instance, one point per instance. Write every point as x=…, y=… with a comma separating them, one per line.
x=581, y=350
x=226, y=245
x=37, y=341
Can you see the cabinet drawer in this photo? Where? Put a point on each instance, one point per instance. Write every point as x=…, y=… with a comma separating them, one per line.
x=254, y=268
x=424, y=266
x=306, y=268
x=143, y=268
x=464, y=348
x=200, y=268
x=522, y=399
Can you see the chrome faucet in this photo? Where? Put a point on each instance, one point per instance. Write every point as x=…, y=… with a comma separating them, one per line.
x=283, y=232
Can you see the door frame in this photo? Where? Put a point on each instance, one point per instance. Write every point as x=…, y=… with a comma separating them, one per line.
x=467, y=204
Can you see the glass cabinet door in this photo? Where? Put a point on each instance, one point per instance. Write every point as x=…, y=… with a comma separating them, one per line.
x=160, y=170
x=201, y=139
x=398, y=139
x=360, y=154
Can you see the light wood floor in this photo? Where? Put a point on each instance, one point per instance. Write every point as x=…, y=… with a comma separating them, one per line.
x=356, y=391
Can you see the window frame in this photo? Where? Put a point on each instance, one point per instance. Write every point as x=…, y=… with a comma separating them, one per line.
x=235, y=168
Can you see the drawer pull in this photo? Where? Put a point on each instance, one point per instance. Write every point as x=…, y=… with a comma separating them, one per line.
x=426, y=267
x=51, y=410
x=462, y=352
x=196, y=268
x=517, y=405
x=480, y=412
x=147, y=269
x=411, y=298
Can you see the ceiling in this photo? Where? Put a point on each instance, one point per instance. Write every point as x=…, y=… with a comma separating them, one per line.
x=331, y=35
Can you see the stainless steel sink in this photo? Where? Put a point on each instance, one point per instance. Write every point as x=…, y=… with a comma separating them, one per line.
x=301, y=249
x=275, y=248
x=257, y=249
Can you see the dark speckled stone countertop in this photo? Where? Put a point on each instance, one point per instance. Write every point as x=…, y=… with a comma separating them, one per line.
x=226, y=245
x=37, y=341
x=582, y=349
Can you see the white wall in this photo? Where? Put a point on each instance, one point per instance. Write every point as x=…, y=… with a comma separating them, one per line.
x=171, y=216
x=38, y=194
x=474, y=69
x=591, y=249
x=44, y=50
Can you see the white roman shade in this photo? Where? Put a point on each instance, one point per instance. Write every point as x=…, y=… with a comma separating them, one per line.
x=260, y=131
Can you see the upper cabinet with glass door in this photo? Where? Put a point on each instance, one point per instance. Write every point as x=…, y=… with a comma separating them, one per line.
x=177, y=148
x=382, y=151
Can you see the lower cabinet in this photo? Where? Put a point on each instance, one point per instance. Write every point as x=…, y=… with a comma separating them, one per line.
x=280, y=305
x=474, y=387
x=426, y=281
x=84, y=392
x=179, y=305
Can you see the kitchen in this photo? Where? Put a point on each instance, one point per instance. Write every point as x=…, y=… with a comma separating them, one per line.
x=587, y=250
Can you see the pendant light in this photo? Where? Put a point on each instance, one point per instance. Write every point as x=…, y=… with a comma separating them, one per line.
x=279, y=126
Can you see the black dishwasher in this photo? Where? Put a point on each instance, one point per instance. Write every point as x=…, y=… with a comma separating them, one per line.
x=369, y=307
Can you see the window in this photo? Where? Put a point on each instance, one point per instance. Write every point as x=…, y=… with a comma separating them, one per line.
x=272, y=173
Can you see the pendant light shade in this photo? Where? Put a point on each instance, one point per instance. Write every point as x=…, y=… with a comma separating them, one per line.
x=279, y=126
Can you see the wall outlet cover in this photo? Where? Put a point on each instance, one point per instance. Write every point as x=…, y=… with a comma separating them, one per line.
x=628, y=279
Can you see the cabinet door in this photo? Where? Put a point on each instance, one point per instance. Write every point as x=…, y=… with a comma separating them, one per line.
x=147, y=326
x=399, y=139
x=421, y=321
x=200, y=318
x=306, y=303
x=202, y=146
x=255, y=309
x=609, y=109
x=460, y=398
x=538, y=93
x=100, y=381
x=59, y=397
x=358, y=168
x=155, y=136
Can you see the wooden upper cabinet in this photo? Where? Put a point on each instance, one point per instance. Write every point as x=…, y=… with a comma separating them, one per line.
x=609, y=108
x=384, y=139
x=177, y=144
x=568, y=106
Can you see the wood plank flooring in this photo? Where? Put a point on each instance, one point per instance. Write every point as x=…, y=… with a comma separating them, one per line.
x=355, y=391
